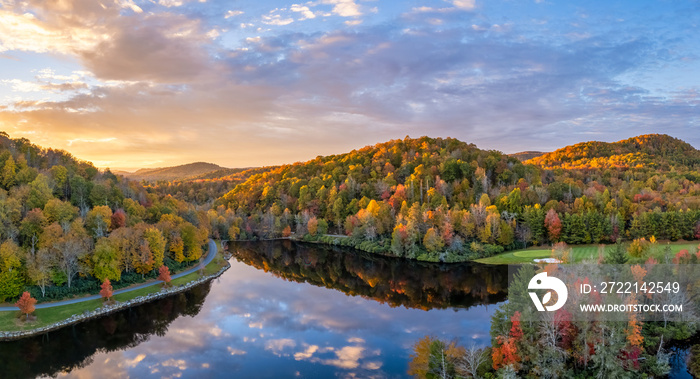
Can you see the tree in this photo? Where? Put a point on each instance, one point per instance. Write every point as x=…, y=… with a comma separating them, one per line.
x=164, y=275
x=106, y=291
x=106, y=260
x=60, y=211
x=312, y=226
x=433, y=241
x=639, y=248
x=118, y=219
x=433, y=358
x=618, y=255
x=553, y=225
x=98, y=221
x=32, y=227
x=191, y=239
x=11, y=277
x=177, y=248
x=468, y=364
x=39, y=192
x=26, y=304
x=505, y=353
x=71, y=251
x=287, y=231
x=7, y=175
x=143, y=260
x=156, y=242
x=39, y=268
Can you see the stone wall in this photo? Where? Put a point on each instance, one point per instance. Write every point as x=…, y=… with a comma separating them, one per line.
x=110, y=308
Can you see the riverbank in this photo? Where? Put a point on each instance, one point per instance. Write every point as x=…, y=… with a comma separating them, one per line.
x=52, y=313
x=578, y=253
x=92, y=309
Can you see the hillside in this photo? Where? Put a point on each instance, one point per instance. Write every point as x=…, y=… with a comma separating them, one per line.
x=206, y=188
x=526, y=155
x=657, y=151
x=65, y=226
x=446, y=200
x=173, y=173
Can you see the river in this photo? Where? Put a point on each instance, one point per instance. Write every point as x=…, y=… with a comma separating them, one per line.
x=282, y=310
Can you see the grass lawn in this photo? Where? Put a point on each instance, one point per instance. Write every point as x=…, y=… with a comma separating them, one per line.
x=578, y=253
x=9, y=320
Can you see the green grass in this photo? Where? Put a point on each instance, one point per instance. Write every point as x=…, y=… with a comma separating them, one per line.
x=578, y=253
x=10, y=321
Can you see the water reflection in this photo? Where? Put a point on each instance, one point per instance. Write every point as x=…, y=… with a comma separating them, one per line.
x=74, y=347
x=393, y=281
x=255, y=324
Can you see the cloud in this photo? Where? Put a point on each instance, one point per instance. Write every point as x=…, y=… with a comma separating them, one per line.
x=235, y=13
x=129, y=4
x=165, y=80
x=344, y=8
x=276, y=19
x=306, y=13
x=464, y=4
x=163, y=49
x=170, y=3
x=279, y=345
x=26, y=32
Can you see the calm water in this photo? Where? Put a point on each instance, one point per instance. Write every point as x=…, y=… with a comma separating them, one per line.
x=282, y=310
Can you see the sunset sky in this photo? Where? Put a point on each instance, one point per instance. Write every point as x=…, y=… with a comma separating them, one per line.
x=131, y=83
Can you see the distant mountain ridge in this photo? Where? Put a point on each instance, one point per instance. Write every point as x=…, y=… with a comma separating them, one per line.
x=526, y=155
x=173, y=173
x=658, y=151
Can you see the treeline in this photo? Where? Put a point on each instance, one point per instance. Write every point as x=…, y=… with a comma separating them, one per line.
x=206, y=188
x=647, y=151
x=65, y=226
x=397, y=283
x=445, y=200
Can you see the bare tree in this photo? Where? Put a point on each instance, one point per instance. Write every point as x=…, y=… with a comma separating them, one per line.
x=70, y=252
x=468, y=364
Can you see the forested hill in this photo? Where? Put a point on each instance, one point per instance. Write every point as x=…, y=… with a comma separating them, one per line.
x=65, y=226
x=443, y=199
x=374, y=172
x=20, y=161
x=525, y=155
x=657, y=151
x=206, y=188
x=185, y=171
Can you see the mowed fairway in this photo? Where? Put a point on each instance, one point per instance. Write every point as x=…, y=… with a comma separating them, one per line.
x=578, y=253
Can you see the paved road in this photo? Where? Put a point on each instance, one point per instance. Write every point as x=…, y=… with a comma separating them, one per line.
x=212, y=253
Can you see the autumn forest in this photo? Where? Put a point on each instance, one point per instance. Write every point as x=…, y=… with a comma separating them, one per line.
x=67, y=228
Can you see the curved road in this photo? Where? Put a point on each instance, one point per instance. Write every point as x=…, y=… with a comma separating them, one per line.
x=213, y=249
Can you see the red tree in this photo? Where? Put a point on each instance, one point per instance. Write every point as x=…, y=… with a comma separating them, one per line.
x=118, y=219
x=106, y=291
x=287, y=231
x=26, y=304
x=507, y=353
x=164, y=274
x=553, y=224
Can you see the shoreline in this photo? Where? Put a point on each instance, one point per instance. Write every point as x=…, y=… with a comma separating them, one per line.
x=494, y=260
x=108, y=309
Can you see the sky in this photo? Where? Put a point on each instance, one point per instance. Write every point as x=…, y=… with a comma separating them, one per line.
x=152, y=83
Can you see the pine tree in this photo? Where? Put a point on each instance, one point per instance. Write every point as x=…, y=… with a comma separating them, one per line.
x=618, y=255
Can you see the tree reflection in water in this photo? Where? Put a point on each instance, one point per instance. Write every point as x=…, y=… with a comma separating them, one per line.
x=389, y=280
x=74, y=346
